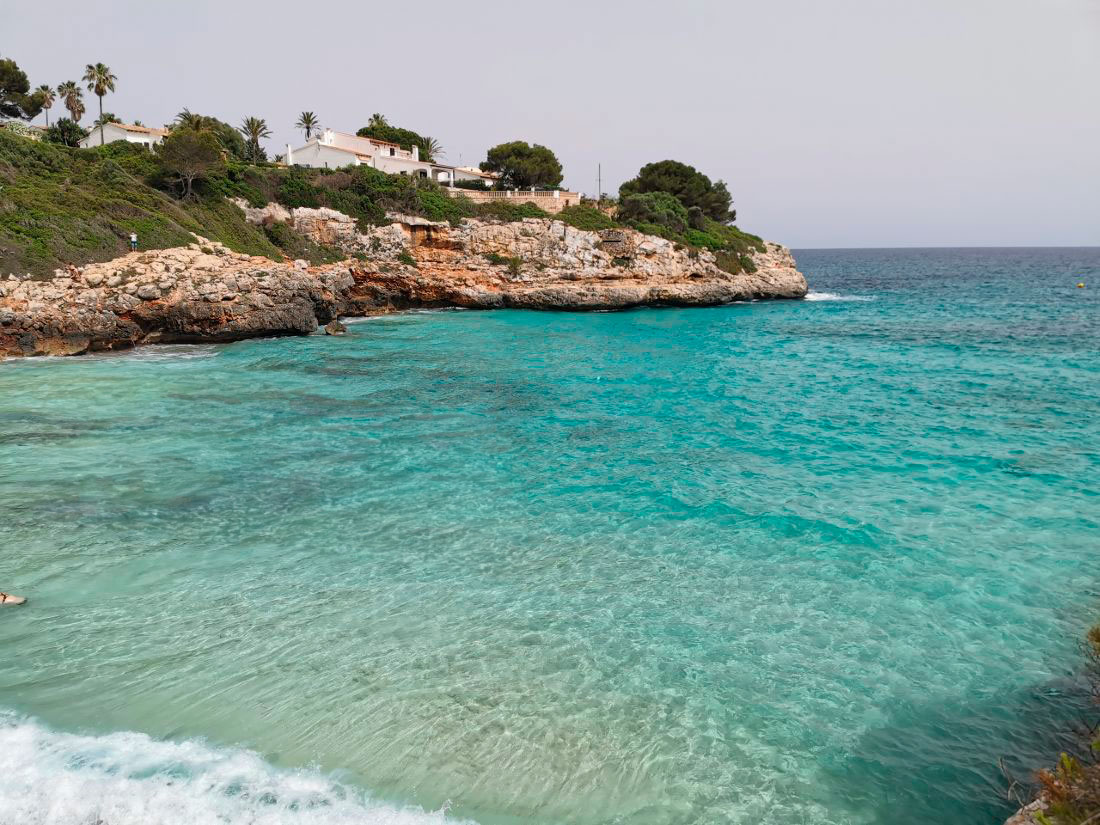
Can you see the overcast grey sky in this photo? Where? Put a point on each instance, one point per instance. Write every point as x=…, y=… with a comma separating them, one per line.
x=834, y=122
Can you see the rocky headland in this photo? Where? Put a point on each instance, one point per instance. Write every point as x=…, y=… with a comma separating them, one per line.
x=204, y=292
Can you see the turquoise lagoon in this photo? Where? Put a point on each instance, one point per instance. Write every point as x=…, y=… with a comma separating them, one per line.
x=810, y=562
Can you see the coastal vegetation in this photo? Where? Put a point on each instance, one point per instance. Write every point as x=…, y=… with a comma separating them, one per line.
x=48, y=97
x=308, y=123
x=254, y=130
x=16, y=98
x=190, y=154
x=1069, y=793
x=229, y=138
x=65, y=132
x=72, y=99
x=100, y=80
x=523, y=166
x=61, y=205
x=691, y=188
x=380, y=129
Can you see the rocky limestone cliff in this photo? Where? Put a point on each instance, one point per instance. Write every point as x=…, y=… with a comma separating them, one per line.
x=201, y=292
x=205, y=292
x=539, y=264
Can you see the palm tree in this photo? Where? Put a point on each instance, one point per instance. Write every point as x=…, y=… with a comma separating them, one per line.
x=48, y=98
x=109, y=117
x=72, y=98
x=191, y=120
x=377, y=121
x=254, y=128
x=433, y=149
x=100, y=80
x=308, y=123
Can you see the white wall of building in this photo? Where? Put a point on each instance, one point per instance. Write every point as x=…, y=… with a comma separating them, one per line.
x=318, y=156
x=113, y=132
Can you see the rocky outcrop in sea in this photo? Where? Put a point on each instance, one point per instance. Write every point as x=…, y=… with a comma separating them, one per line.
x=205, y=292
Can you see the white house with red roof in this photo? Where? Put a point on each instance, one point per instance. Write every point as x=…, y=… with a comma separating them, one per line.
x=130, y=133
x=335, y=150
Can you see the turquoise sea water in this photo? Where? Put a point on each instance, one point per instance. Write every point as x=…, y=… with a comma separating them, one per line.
x=801, y=562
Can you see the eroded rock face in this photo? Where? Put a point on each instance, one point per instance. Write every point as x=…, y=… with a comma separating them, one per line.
x=205, y=292
x=540, y=264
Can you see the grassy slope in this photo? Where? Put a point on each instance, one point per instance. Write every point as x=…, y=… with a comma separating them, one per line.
x=62, y=206
x=73, y=206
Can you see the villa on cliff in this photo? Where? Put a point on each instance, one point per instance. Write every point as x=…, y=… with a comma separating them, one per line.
x=333, y=150
x=141, y=135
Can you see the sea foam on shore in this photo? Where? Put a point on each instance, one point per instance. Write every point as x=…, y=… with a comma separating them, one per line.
x=130, y=779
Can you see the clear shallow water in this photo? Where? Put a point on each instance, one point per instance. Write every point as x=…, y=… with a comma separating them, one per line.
x=806, y=562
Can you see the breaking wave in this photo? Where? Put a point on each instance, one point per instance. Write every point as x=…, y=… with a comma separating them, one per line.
x=53, y=778
x=832, y=296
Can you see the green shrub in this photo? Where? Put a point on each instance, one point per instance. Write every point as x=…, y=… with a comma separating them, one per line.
x=66, y=132
x=694, y=237
x=689, y=186
x=297, y=189
x=515, y=265
x=507, y=211
x=476, y=185
x=294, y=245
x=658, y=208
x=407, y=259
x=437, y=205
x=587, y=218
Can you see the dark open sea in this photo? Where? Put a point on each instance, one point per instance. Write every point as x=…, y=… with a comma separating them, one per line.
x=795, y=563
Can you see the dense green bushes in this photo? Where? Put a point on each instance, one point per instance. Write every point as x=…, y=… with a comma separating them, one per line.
x=655, y=209
x=587, y=218
x=690, y=187
x=65, y=132
x=502, y=210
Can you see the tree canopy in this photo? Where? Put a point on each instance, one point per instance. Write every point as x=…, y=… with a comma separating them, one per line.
x=522, y=165
x=308, y=123
x=16, y=99
x=66, y=132
x=229, y=138
x=72, y=99
x=689, y=186
x=379, y=129
x=253, y=129
x=190, y=154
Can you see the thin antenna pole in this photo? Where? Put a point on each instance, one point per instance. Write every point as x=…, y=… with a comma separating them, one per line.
x=599, y=184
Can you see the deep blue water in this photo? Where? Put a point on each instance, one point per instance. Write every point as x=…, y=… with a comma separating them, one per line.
x=798, y=562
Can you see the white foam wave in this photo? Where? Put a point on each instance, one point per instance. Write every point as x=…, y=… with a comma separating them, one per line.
x=165, y=352
x=53, y=778
x=150, y=352
x=832, y=296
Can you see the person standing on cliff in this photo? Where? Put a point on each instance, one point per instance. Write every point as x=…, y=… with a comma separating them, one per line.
x=133, y=241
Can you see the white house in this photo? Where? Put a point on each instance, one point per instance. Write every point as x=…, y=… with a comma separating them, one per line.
x=333, y=150
x=473, y=173
x=124, y=131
